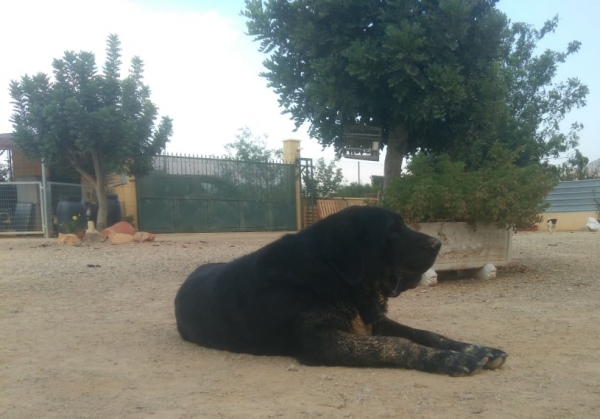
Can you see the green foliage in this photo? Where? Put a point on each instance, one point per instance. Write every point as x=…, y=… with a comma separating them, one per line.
x=74, y=226
x=4, y=172
x=85, y=118
x=356, y=190
x=94, y=122
x=597, y=202
x=500, y=192
x=248, y=147
x=575, y=168
x=537, y=104
x=259, y=176
x=384, y=63
x=327, y=179
x=451, y=77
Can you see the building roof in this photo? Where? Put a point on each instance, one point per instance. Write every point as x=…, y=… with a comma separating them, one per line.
x=574, y=196
x=6, y=142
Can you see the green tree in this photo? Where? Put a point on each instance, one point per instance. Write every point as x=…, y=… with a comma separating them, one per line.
x=327, y=179
x=94, y=122
x=575, y=168
x=259, y=174
x=249, y=147
x=448, y=76
x=537, y=104
x=4, y=166
x=521, y=108
x=401, y=65
x=4, y=172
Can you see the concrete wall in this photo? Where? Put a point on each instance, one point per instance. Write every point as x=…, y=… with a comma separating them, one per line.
x=127, y=195
x=568, y=221
x=467, y=246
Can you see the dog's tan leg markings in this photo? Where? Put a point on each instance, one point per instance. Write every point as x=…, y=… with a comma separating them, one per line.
x=360, y=328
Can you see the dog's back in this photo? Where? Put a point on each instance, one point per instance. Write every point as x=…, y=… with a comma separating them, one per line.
x=247, y=305
x=252, y=304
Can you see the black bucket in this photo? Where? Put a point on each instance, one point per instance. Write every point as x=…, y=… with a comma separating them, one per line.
x=113, y=208
x=67, y=208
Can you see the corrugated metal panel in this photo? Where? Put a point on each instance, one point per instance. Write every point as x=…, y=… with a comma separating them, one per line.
x=574, y=196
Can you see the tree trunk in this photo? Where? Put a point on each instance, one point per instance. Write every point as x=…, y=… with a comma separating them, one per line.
x=396, y=150
x=99, y=182
x=100, y=186
x=102, y=205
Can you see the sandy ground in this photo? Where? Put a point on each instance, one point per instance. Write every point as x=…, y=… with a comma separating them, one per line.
x=89, y=332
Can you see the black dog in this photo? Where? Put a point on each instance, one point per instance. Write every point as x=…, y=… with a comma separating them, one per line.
x=321, y=295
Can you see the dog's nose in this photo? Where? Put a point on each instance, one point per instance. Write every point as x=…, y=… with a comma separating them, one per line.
x=435, y=244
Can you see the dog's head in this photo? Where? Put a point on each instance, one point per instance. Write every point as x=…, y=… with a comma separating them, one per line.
x=410, y=254
x=372, y=244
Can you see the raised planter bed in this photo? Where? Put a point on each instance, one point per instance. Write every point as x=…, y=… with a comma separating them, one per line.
x=475, y=248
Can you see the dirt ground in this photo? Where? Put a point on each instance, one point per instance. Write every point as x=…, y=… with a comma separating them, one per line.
x=89, y=332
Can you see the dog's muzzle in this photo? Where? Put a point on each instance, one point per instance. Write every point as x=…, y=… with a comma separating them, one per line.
x=403, y=281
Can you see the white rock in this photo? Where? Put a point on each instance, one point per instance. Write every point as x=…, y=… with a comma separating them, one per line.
x=489, y=271
x=429, y=278
x=593, y=224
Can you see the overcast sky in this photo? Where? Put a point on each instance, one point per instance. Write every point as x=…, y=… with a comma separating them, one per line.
x=203, y=70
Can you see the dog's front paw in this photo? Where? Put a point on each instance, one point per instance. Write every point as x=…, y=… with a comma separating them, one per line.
x=458, y=364
x=494, y=358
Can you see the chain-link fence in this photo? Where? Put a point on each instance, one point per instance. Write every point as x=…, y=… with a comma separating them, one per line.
x=21, y=208
x=26, y=209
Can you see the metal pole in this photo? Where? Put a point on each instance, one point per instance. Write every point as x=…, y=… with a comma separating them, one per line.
x=45, y=204
x=358, y=172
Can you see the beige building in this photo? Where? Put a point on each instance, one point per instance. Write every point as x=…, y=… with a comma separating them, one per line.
x=572, y=203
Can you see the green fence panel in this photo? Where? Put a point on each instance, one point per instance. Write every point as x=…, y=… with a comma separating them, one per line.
x=192, y=215
x=224, y=215
x=158, y=213
x=255, y=215
x=195, y=194
x=283, y=215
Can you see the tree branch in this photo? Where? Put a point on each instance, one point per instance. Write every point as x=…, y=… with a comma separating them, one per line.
x=73, y=160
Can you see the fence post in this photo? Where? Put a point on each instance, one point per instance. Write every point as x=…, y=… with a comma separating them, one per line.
x=48, y=199
x=291, y=152
x=45, y=204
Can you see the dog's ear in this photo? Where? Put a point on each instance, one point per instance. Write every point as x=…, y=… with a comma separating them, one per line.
x=343, y=254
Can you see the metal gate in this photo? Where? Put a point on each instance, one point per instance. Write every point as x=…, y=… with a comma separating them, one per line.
x=21, y=208
x=197, y=194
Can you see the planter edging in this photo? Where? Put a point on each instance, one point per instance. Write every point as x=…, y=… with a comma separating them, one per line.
x=469, y=246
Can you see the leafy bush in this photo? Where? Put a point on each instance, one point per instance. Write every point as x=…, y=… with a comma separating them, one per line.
x=326, y=180
x=438, y=189
x=356, y=190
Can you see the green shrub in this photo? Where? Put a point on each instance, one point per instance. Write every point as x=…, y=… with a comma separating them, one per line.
x=356, y=190
x=438, y=189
